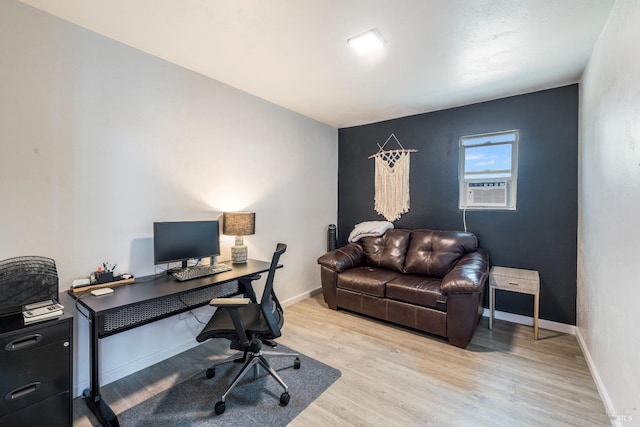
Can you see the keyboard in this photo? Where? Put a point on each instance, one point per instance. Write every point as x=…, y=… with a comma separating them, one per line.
x=195, y=272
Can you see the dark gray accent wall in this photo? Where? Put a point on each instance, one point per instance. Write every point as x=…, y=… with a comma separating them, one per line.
x=541, y=234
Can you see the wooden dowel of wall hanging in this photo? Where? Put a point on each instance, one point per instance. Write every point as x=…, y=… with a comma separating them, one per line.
x=411, y=150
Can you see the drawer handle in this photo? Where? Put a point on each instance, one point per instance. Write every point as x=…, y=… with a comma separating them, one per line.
x=23, y=342
x=513, y=283
x=22, y=391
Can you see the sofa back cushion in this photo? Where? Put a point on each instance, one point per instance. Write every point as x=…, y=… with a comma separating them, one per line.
x=434, y=253
x=387, y=251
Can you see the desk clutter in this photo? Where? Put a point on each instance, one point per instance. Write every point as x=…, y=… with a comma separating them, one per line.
x=125, y=279
x=43, y=310
x=103, y=277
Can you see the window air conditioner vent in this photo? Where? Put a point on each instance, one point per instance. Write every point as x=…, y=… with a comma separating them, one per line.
x=492, y=194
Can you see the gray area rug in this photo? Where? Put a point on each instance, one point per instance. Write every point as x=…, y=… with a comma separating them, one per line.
x=254, y=402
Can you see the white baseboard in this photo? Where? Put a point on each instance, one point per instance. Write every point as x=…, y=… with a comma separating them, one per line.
x=528, y=321
x=608, y=404
x=302, y=296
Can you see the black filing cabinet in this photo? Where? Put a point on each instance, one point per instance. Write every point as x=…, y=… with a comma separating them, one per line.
x=35, y=372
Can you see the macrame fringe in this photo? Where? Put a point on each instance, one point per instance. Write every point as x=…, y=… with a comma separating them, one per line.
x=392, y=185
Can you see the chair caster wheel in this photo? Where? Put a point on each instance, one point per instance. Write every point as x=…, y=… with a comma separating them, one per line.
x=296, y=363
x=284, y=399
x=210, y=373
x=220, y=407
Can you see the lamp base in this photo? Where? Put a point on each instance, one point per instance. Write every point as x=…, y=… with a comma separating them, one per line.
x=238, y=254
x=239, y=251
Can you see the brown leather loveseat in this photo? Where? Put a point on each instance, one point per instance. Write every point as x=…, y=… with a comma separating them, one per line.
x=429, y=280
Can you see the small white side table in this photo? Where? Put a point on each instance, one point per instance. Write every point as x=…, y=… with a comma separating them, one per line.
x=515, y=280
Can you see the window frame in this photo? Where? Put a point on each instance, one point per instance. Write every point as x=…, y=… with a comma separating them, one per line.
x=511, y=181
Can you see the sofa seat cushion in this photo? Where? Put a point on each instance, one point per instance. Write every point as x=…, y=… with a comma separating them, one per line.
x=367, y=280
x=418, y=290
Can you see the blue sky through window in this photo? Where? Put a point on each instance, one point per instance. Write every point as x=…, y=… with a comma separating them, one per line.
x=488, y=156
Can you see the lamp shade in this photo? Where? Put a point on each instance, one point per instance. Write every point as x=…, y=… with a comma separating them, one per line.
x=239, y=223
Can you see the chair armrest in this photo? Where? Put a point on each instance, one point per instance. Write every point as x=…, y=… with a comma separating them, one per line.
x=229, y=302
x=343, y=258
x=469, y=275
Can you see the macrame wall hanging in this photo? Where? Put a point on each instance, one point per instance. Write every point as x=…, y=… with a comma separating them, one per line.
x=392, y=180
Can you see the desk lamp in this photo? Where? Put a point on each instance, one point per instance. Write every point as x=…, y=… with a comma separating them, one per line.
x=239, y=224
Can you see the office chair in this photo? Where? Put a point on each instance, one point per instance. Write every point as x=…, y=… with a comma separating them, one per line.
x=249, y=325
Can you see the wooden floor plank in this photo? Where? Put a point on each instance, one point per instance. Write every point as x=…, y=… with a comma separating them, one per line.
x=395, y=376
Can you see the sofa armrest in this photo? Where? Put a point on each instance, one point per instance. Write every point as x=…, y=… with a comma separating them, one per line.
x=469, y=275
x=343, y=258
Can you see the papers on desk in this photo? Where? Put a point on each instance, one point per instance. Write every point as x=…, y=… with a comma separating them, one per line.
x=40, y=318
x=39, y=311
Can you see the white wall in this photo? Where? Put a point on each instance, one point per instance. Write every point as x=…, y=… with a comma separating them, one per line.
x=99, y=140
x=609, y=219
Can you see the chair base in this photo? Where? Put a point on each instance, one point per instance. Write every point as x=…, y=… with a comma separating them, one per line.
x=253, y=360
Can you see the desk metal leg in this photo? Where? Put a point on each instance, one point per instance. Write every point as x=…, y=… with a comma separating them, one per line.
x=100, y=409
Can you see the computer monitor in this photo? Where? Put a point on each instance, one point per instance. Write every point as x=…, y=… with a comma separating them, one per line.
x=181, y=241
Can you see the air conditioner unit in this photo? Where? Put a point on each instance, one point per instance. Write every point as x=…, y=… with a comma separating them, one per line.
x=488, y=194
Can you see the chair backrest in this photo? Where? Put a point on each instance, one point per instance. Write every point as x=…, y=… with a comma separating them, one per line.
x=270, y=306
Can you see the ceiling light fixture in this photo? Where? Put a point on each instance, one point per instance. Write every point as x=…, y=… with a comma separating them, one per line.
x=367, y=41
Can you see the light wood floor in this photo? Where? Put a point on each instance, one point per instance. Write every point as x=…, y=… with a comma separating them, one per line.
x=392, y=376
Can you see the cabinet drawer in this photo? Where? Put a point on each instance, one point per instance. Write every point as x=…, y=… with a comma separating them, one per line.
x=526, y=281
x=33, y=337
x=30, y=376
x=53, y=412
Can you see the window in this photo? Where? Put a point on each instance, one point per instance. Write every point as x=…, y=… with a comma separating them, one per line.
x=488, y=171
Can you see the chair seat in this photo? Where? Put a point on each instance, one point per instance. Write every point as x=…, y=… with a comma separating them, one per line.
x=221, y=325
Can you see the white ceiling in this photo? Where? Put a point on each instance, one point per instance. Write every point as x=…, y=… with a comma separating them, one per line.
x=294, y=53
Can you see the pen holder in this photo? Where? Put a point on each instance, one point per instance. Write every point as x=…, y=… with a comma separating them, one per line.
x=104, y=276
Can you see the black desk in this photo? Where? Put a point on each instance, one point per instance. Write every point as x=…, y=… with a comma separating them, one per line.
x=149, y=299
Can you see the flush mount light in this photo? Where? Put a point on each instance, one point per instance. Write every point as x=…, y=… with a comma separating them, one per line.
x=367, y=41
